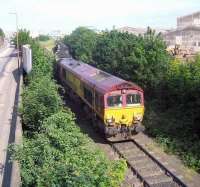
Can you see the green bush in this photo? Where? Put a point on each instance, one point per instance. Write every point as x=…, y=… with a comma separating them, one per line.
x=43, y=37
x=57, y=153
x=62, y=156
x=40, y=97
x=2, y=33
x=40, y=100
x=23, y=37
x=43, y=61
x=82, y=42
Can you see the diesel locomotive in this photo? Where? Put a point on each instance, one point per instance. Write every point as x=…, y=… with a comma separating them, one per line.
x=116, y=106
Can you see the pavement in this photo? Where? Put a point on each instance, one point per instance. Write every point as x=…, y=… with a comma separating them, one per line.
x=10, y=127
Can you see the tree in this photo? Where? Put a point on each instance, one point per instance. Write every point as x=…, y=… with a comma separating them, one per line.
x=63, y=156
x=40, y=100
x=82, y=42
x=2, y=33
x=43, y=37
x=157, y=58
x=141, y=59
x=115, y=52
x=23, y=37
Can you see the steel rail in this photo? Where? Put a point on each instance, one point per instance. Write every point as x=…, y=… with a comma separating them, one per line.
x=131, y=167
x=145, y=182
x=167, y=171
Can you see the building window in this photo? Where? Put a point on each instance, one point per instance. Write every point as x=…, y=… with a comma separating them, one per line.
x=199, y=44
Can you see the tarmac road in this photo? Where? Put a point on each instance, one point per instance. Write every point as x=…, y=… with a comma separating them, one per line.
x=5, y=55
x=9, y=94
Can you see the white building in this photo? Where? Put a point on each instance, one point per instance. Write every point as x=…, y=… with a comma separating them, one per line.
x=189, y=20
x=187, y=34
x=140, y=31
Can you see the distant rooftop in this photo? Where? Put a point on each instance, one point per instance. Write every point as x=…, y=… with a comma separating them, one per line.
x=190, y=15
x=141, y=31
x=189, y=20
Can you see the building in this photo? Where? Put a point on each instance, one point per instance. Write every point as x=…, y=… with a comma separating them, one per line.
x=133, y=30
x=187, y=34
x=186, y=37
x=189, y=20
x=140, y=31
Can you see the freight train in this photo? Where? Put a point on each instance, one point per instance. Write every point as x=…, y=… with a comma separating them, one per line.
x=115, y=106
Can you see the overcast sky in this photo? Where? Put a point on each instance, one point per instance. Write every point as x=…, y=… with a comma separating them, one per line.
x=66, y=15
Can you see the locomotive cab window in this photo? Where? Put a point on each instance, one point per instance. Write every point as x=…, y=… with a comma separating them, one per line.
x=132, y=99
x=114, y=101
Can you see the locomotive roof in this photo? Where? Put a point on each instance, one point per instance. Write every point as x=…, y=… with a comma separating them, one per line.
x=102, y=81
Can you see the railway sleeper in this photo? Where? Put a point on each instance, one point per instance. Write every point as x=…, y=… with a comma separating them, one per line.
x=131, y=180
x=159, y=180
x=135, y=182
x=149, y=171
x=144, y=161
x=125, y=145
x=165, y=184
x=131, y=153
x=141, y=165
x=136, y=157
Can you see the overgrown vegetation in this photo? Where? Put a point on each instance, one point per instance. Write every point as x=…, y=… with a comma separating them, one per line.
x=82, y=47
x=39, y=102
x=62, y=156
x=2, y=35
x=171, y=87
x=54, y=151
x=179, y=112
x=23, y=38
x=43, y=37
x=49, y=44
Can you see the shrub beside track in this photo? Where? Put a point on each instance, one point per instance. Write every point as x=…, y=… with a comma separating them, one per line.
x=54, y=151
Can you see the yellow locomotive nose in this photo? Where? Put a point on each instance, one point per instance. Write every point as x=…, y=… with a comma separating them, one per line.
x=123, y=120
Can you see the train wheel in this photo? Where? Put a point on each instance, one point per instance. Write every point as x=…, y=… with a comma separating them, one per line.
x=139, y=128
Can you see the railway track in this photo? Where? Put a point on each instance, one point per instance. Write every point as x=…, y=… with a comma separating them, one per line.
x=144, y=169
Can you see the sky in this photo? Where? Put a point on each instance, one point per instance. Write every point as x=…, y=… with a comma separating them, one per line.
x=66, y=15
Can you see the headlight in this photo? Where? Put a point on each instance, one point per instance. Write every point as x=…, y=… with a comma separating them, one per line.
x=138, y=117
x=109, y=120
